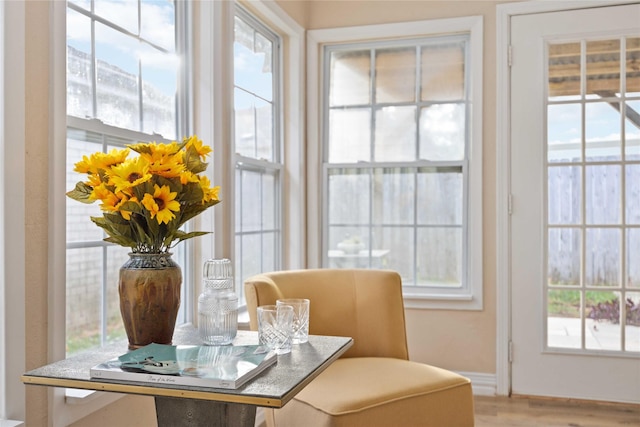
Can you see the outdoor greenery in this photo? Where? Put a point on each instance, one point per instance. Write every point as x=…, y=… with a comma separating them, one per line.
x=599, y=306
x=90, y=338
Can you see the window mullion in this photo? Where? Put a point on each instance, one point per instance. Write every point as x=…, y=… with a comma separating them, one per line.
x=623, y=190
x=416, y=195
x=140, y=93
x=372, y=105
x=94, y=69
x=373, y=97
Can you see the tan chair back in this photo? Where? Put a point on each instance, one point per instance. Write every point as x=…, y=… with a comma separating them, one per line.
x=366, y=305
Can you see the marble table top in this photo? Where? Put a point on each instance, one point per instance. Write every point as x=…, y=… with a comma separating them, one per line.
x=272, y=388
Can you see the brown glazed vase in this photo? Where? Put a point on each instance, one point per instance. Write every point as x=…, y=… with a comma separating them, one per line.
x=149, y=288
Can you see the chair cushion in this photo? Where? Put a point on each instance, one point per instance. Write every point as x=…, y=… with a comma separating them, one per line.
x=373, y=391
x=351, y=385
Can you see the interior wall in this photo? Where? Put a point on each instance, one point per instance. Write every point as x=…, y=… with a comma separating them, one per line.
x=439, y=337
x=130, y=411
x=36, y=146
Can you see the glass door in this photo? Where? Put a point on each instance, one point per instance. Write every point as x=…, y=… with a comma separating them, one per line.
x=575, y=223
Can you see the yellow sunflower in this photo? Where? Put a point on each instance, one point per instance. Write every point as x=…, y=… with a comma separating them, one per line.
x=197, y=144
x=112, y=158
x=125, y=214
x=209, y=193
x=85, y=166
x=166, y=166
x=94, y=180
x=168, y=172
x=106, y=196
x=141, y=147
x=164, y=159
x=162, y=204
x=101, y=161
x=187, y=177
x=130, y=173
x=164, y=149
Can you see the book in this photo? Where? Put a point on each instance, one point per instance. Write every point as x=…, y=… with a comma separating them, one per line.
x=226, y=367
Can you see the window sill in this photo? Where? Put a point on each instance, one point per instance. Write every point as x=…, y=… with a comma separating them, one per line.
x=442, y=302
x=82, y=403
x=11, y=423
x=74, y=396
x=243, y=320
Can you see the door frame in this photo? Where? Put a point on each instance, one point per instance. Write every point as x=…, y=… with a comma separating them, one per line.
x=504, y=12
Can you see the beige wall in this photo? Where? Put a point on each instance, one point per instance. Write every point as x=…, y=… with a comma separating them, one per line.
x=36, y=147
x=130, y=411
x=458, y=340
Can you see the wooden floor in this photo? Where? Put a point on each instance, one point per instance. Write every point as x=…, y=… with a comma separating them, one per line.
x=539, y=412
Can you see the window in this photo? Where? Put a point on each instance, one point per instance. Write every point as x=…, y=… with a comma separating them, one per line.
x=257, y=145
x=122, y=87
x=400, y=150
x=593, y=193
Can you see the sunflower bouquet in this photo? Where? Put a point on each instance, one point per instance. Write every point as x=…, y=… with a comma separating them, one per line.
x=146, y=199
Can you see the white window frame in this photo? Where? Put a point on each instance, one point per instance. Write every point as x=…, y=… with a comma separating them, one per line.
x=274, y=166
x=214, y=122
x=471, y=299
x=70, y=405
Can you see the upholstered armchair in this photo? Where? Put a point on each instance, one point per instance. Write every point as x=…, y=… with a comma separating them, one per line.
x=374, y=383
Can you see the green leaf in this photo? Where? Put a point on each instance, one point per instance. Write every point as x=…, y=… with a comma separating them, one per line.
x=140, y=149
x=132, y=207
x=193, y=162
x=103, y=176
x=188, y=212
x=174, y=184
x=141, y=229
x=115, y=218
x=81, y=193
x=151, y=224
x=192, y=193
x=181, y=235
x=122, y=241
x=182, y=144
x=140, y=190
x=111, y=227
x=193, y=210
x=118, y=233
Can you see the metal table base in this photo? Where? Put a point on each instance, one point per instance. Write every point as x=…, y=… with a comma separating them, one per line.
x=178, y=412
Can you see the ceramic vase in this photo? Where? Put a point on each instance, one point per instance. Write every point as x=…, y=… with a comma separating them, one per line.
x=149, y=289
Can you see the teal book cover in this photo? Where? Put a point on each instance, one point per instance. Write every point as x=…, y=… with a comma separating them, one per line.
x=192, y=365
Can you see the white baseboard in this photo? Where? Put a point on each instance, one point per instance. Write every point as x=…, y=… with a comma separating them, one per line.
x=482, y=384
